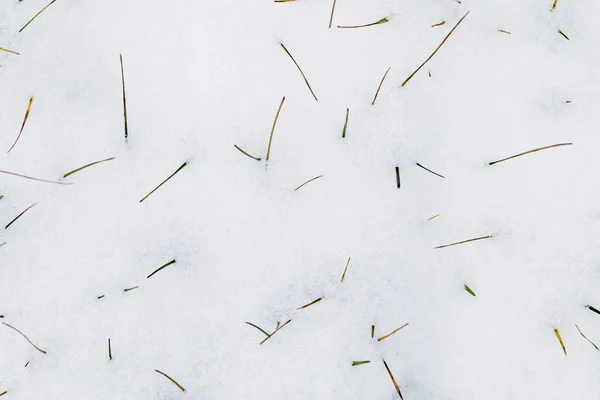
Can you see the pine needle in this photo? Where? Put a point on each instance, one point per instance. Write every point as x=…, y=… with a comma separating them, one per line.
x=35, y=16
x=308, y=181
x=243, y=152
x=397, y=177
x=592, y=343
x=165, y=181
x=393, y=380
x=163, y=267
x=381, y=21
x=300, y=69
x=468, y=289
x=34, y=179
x=310, y=304
x=9, y=51
x=557, y=333
x=379, y=87
x=19, y=216
x=273, y=127
x=88, y=165
x=355, y=363
x=345, y=269
x=124, y=98
x=22, y=334
x=171, y=379
x=345, y=123
x=435, y=51
x=529, y=152
x=463, y=241
x=390, y=334
x=23, y=124
x=275, y=331
x=259, y=328
x=427, y=169
x=332, y=11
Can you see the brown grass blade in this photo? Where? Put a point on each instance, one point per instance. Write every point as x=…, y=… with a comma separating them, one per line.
x=243, y=152
x=9, y=51
x=22, y=334
x=380, y=84
x=275, y=331
x=34, y=179
x=379, y=22
x=23, y=124
x=124, y=98
x=529, y=152
x=463, y=241
x=393, y=380
x=438, y=24
x=171, y=379
x=391, y=333
x=163, y=267
x=592, y=343
x=300, y=69
x=332, y=11
x=165, y=181
x=35, y=16
x=273, y=127
x=397, y=177
x=308, y=181
x=310, y=304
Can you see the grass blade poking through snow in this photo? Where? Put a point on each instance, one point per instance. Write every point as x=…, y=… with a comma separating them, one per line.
x=355, y=363
x=33, y=179
x=471, y=292
x=275, y=331
x=124, y=98
x=300, y=69
x=88, y=165
x=165, y=181
x=9, y=51
x=391, y=333
x=259, y=328
x=35, y=16
x=3, y=393
x=171, y=379
x=273, y=128
x=463, y=241
x=557, y=333
x=163, y=267
x=427, y=169
x=2, y=244
x=372, y=331
x=332, y=11
x=438, y=24
x=130, y=289
x=309, y=181
x=563, y=34
x=593, y=309
x=23, y=124
x=310, y=304
x=553, y=8
x=581, y=333
x=379, y=22
x=345, y=269
x=393, y=380
x=529, y=152
x=109, y=351
x=345, y=123
x=22, y=334
x=243, y=152
x=397, y=177
x=380, y=84
x=19, y=216
x=435, y=51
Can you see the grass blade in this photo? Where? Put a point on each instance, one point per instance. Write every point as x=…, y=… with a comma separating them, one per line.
x=124, y=98
x=379, y=22
x=529, y=152
x=88, y=165
x=372, y=331
x=435, y=51
x=19, y=216
x=463, y=241
x=345, y=123
x=310, y=304
x=427, y=169
x=439, y=24
x=9, y=51
x=391, y=333
x=130, y=289
x=471, y=292
x=275, y=331
x=22, y=334
x=163, y=267
x=300, y=69
x=355, y=363
x=380, y=84
x=345, y=269
x=165, y=181
x=393, y=380
x=109, y=351
x=273, y=127
x=259, y=328
x=332, y=11
x=557, y=333
x=586, y=337
x=397, y=177
x=34, y=179
x=563, y=34
x=308, y=181
x=23, y=124
x=171, y=379
x=35, y=16
x=594, y=309
x=243, y=152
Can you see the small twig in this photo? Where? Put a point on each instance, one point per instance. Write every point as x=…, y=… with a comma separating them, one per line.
x=435, y=51
x=390, y=334
x=557, y=333
x=124, y=98
x=243, y=152
x=310, y=304
x=300, y=69
x=9, y=51
x=34, y=179
x=273, y=127
x=19, y=216
x=345, y=123
x=379, y=22
x=88, y=165
x=355, y=363
x=397, y=177
x=109, y=351
x=379, y=87
x=586, y=337
x=23, y=124
x=345, y=269
x=22, y=334
x=259, y=328
x=427, y=169
x=594, y=309
x=439, y=24
x=171, y=379
x=563, y=34
x=165, y=181
x=131, y=288
x=393, y=380
x=163, y=267
x=275, y=331
x=308, y=181
x=471, y=292
x=530, y=151
x=35, y=16
x=332, y=11
x=463, y=241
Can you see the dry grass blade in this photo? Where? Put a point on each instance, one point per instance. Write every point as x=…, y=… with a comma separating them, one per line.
x=397, y=177
x=124, y=98
x=310, y=304
x=345, y=269
x=23, y=124
x=380, y=84
x=393, y=380
x=391, y=333
x=581, y=333
x=553, y=8
x=308, y=181
x=372, y=331
x=275, y=331
x=379, y=22
x=503, y=31
x=171, y=379
x=332, y=11
x=345, y=123
x=427, y=169
x=273, y=127
x=88, y=165
x=130, y=289
x=259, y=328
x=22, y=334
x=19, y=216
x=463, y=241
x=438, y=24
x=34, y=179
x=3, y=393
x=283, y=1
x=35, y=16
x=434, y=217
x=436, y=50
x=557, y=333
x=529, y=152
x=165, y=181
x=9, y=51
x=163, y=267
x=243, y=152
x=300, y=69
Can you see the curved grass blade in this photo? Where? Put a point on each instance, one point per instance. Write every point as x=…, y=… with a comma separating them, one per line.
x=171, y=379
x=243, y=152
x=345, y=123
x=124, y=98
x=530, y=151
x=300, y=69
x=23, y=124
x=88, y=165
x=35, y=16
x=308, y=181
x=273, y=127
x=22, y=334
x=381, y=21
x=259, y=328
x=163, y=267
x=34, y=179
x=380, y=84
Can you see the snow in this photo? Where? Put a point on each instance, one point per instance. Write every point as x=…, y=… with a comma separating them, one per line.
x=203, y=76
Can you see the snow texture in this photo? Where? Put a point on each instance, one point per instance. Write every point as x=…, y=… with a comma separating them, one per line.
x=202, y=76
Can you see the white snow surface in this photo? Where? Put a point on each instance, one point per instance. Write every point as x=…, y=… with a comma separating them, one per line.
x=202, y=76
